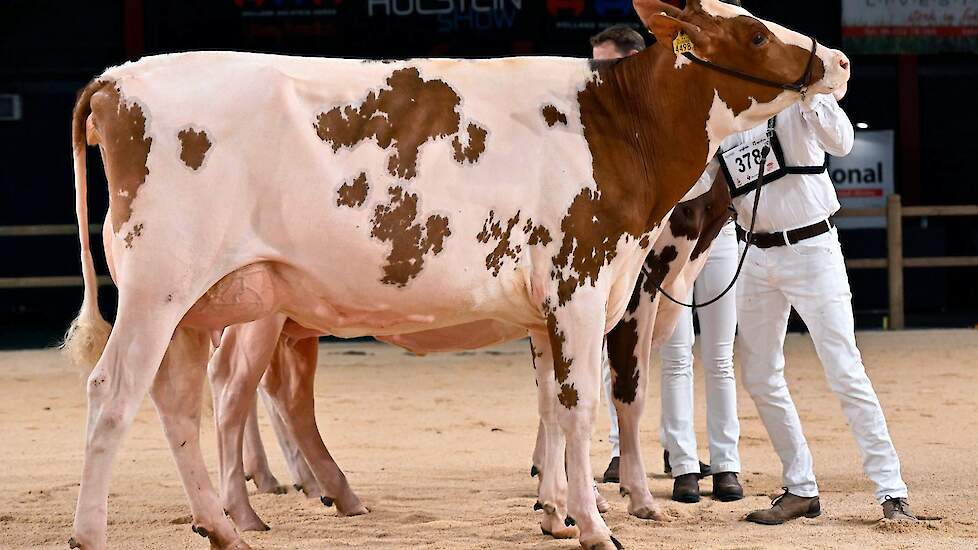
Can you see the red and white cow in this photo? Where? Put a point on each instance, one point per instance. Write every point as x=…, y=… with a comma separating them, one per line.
x=371, y=198
x=674, y=262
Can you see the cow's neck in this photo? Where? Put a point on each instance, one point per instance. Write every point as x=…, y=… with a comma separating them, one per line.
x=646, y=124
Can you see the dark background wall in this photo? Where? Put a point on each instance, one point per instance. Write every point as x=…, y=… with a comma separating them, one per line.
x=51, y=48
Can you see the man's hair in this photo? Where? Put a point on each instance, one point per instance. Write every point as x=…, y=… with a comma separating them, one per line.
x=623, y=37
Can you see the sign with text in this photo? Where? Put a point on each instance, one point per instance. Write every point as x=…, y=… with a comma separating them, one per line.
x=909, y=26
x=865, y=178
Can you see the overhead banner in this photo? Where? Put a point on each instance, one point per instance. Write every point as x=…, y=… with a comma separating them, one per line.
x=365, y=28
x=909, y=26
x=865, y=178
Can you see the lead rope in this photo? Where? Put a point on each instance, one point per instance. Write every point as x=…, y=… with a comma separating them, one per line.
x=748, y=240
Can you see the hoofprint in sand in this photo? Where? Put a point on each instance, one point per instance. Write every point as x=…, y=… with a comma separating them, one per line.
x=439, y=449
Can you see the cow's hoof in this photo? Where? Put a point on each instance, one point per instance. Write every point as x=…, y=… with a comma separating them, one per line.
x=327, y=502
x=72, y=543
x=650, y=512
x=537, y=506
x=552, y=526
x=279, y=490
x=299, y=489
x=200, y=531
x=534, y=471
x=569, y=521
x=564, y=533
x=611, y=544
x=357, y=511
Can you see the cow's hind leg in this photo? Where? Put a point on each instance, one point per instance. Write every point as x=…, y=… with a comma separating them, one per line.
x=255, y=460
x=177, y=393
x=234, y=372
x=302, y=477
x=116, y=387
x=552, y=487
x=576, y=331
x=290, y=381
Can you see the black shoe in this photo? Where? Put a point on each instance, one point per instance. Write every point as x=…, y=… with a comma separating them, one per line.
x=611, y=474
x=726, y=487
x=686, y=488
x=667, y=468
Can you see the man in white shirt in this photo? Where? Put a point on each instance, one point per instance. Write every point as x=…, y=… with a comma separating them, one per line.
x=796, y=260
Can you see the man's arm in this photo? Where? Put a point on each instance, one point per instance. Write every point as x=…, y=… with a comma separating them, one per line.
x=829, y=124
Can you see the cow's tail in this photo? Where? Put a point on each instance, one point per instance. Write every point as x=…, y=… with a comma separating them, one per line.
x=89, y=332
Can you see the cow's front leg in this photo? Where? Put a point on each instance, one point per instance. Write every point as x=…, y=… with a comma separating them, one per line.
x=629, y=352
x=552, y=488
x=576, y=331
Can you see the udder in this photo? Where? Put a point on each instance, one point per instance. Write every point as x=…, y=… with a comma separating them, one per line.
x=242, y=296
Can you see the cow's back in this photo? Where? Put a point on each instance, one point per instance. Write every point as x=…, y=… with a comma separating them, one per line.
x=439, y=178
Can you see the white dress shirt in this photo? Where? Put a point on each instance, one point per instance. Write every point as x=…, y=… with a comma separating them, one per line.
x=806, y=132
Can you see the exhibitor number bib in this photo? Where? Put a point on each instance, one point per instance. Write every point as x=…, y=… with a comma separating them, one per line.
x=742, y=164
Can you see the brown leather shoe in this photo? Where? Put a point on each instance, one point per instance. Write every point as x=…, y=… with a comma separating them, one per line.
x=611, y=474
x=726, y=487
x=785, y=508
x=686, y=488
x=898, y=509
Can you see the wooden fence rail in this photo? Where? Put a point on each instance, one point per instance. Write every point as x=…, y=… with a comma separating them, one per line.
x=894, y=263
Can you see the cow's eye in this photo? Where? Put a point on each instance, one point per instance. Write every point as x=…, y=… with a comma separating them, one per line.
x=759, y=39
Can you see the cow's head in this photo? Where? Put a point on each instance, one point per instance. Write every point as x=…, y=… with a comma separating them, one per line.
x=729, y=37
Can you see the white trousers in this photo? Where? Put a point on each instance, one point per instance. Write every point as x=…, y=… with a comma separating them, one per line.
x=811, y=276
x=718, y=326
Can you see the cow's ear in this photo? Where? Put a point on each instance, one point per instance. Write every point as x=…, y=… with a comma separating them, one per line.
x=666, y=28
x=648, y=8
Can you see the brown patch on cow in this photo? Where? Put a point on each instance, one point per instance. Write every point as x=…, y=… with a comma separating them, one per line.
x=632, y=193
x=136, y=231
x=553, y=115
x=716, y=212
x=194, y=145
x=655, y=271
x=475, y=146
x=591, y=235
x=537, y=234
x=645, y=242
x=622, y=341
x=121, y=126
x=492, y=229
x=403, y=116
x=410, y=242
x=562, y=365
x=354, y=193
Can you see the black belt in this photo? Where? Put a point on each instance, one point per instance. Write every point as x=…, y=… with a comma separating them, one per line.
x=771, y=240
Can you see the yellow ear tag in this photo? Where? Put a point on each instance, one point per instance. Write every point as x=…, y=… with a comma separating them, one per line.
x=682, y=44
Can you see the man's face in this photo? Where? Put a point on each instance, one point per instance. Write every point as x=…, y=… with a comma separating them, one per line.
x=608, y=50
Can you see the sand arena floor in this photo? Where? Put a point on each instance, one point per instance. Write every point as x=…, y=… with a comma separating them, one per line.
x=439, y=448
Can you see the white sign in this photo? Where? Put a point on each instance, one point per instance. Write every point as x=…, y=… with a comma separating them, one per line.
x=864, y=178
